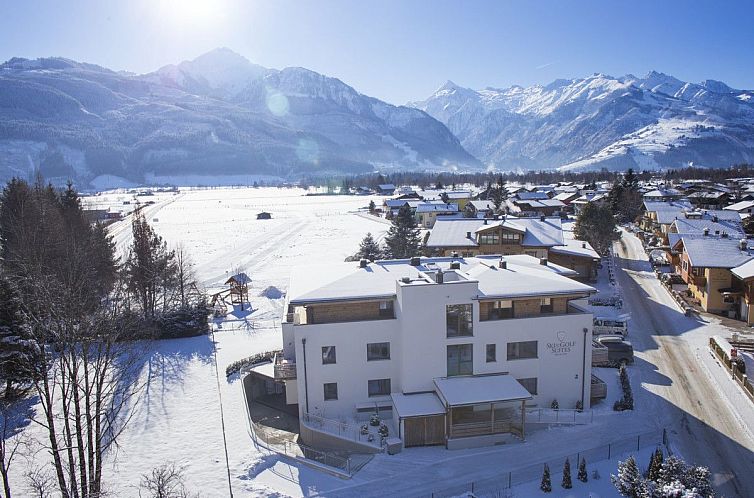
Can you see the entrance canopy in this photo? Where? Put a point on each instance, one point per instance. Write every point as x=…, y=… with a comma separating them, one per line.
x=460, y=391
x=417, y=405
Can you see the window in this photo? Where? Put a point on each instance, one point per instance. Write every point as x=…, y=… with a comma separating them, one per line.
x=685, y=265
x=511, y=238
x=491, y=353
x=522, y=350
x=331, y=391
x=489, y=238
x=459, y=319
x=530, y=384
x=460, y=359
x=328, y=355
x=502, y=309
x=386, y=309
x=697, y=271
x=379, y=387
x=545, y=306
x=378, y=351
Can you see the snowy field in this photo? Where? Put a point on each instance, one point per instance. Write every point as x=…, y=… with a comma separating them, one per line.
x=188, y=398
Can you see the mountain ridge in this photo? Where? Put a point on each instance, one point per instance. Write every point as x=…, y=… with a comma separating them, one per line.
x=651, y=122
x=218, y=115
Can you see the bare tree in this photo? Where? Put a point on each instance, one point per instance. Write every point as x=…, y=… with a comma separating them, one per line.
x=165, y=481
x=40, y=482
x=185, y=279
x=11, y=438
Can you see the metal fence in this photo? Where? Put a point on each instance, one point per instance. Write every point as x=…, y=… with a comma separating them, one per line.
x=499, y=486
x=341, y=429
x=274, y=441
x=559, y=416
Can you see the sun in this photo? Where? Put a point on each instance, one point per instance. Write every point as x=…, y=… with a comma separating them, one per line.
x=186, y=14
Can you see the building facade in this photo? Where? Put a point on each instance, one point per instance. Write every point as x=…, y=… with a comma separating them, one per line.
x=452, y=349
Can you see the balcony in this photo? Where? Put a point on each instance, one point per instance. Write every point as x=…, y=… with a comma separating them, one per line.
x=697, y=280
x=284, y=369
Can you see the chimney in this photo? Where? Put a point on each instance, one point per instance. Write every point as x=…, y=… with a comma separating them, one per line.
x=455, y=265
x=542, y=218
x=485, y=221
x=415, y=261
x=706, y=231
x=724, y=234
x=468, y=235
x=439, y=277
x=543, y=261
x=363, y=263
x=717, y=232
x=742, y=244
x=583, y=245
x=454, y=254
x=503, y=264
x=497, y=217
x=714, y=218
x=406, y=280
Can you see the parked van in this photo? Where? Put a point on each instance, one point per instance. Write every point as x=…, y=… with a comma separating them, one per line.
x=619, y=351
x=611, y=325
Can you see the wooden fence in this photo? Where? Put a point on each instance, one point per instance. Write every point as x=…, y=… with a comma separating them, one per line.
x=721, y=348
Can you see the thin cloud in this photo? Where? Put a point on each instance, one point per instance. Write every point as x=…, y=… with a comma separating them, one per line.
x=545, y=65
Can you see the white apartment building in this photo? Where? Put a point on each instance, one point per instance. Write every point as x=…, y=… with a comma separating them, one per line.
x=451, y=348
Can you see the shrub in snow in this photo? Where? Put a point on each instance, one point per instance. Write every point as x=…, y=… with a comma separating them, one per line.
x=236, y=366
x=364, y=429
x=383, y=430
x=374, y=420
x=554, y=405
x=627, y=401
x=546, y=484
x=579, y=405
x=582, y=475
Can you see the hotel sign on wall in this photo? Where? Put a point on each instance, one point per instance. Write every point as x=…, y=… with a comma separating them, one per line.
x=561, y=346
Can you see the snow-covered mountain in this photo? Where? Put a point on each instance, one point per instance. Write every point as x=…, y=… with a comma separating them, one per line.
x=217, y=115
x=656, y=121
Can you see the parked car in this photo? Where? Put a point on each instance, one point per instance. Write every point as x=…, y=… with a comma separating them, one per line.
x=671, y=278
x=619, y=350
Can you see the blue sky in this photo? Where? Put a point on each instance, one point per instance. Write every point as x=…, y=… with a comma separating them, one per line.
x=399, y=50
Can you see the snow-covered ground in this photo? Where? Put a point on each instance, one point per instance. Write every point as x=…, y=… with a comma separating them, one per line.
x=181, y=415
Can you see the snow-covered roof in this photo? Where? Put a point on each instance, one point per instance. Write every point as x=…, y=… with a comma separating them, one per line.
x=715, y=252
x=573, y=247
x=524, y=276
x=482, y=205
x=566, y=196
x=744, y=271
x=240, y=278
x=537, y=233
x=417, y=405
x=740, y=206
x=426, y=207
x=386, y=186
x=531, y=196
x=693, y=226
x=460, y=391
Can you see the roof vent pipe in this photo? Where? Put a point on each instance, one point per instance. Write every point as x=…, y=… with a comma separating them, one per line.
x=406, y=280
x=503, y=264
x=455, y=265
x=742, y=244
x=439, y=277
x=706, y=231
x=468, y=235
x=583, y=245
x=542, y=218
x=363, y=263
x=454, y=254
x=415, y=261
x=543, y=261
x=714, y=218
x=724, y=234
x=485, y=221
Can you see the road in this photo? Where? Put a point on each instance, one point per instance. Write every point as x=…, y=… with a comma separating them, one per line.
x=681, y=383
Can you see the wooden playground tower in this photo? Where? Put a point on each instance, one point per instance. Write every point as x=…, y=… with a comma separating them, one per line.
x=238, y=291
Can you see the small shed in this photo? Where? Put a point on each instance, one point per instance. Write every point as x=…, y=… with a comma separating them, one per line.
x=264, y=215
x=239, y=288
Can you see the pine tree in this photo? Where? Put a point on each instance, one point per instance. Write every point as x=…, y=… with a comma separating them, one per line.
x=372, y=207
x=567, y=483
x=596, y=225
x=582, y=475
x=369, y=248
x=546, y=484
x=628, y=479
x=18, y=351
x=655, y=464
x=468, y=211
x=403, y=237
x=445, y=198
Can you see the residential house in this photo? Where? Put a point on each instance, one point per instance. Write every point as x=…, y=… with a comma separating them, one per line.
x=427, y=212
x=705, y=263
x=386, y=189
x=743, y=208
x=532, y=236
x=450, y=350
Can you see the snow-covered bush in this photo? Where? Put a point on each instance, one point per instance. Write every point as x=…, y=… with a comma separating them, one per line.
x=546, y=484
x=554, y=405
x=374, y=420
